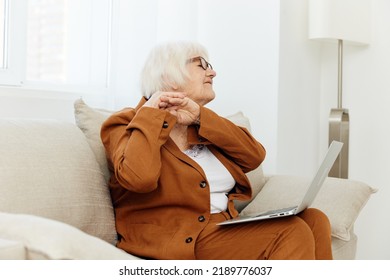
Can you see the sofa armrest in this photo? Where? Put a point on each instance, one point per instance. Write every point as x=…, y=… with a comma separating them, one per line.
x=42, y=238
x=340, y=199
x=12, y=250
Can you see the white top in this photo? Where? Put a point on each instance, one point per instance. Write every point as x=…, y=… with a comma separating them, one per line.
x=219, y=178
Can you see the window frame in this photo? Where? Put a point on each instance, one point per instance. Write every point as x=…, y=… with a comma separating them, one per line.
x=14, y=74
x=15, y=43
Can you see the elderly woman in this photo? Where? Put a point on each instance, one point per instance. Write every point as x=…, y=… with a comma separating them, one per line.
x=177, y=167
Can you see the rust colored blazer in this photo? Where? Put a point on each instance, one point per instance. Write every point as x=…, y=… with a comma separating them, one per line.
x=160, y=195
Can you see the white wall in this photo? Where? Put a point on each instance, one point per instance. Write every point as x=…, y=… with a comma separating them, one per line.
x=17, y=103
x=243, y=41
x=299, y=93
x=308, y=89
x=247, y=74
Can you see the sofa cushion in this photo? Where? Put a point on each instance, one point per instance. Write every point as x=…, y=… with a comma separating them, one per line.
x=90, y=119
x=340, y=199
x=48, y=169
x=11, y=249
x=43, y=238
x=344, y=250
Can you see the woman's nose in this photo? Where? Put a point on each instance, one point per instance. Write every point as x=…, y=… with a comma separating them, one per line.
x=211, y=72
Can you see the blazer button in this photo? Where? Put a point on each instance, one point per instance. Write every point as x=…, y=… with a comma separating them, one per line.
x=189, y=240
x=203, y=184
x=165, y=125
x=201, y=219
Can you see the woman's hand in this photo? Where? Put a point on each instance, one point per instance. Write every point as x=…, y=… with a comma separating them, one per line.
x=178, y=104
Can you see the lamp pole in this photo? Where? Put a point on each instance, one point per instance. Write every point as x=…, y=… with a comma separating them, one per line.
x=340, y=75
x=339, y=124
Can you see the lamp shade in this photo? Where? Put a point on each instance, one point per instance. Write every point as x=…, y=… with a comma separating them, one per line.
x=347, y=20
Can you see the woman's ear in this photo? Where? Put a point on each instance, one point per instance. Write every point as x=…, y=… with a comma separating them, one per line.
x=170, y=85
x=174, y=86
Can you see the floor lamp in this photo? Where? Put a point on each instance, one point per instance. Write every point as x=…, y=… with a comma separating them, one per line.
x=341, y=21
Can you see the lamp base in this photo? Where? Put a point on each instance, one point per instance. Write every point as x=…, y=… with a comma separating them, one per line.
x=339, y=131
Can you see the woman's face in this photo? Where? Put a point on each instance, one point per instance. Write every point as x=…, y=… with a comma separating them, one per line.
x=199, y=87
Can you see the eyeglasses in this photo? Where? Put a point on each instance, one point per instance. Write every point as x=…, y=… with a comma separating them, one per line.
x=203, y=62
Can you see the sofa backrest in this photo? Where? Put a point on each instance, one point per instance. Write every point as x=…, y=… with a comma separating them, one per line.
x=48, y=169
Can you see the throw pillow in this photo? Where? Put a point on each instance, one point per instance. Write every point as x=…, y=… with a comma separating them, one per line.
x=340, y=199
x=89, y=120
x=49, y=239
x=11, y=250
x=256, y=177
x=48, y=169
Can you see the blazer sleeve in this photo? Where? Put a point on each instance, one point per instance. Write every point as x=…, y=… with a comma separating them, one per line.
x=132, y=140
x=235, y=142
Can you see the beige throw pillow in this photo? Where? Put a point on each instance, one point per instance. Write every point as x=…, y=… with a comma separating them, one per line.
x=11, y=250
x=90, y=120
x=44, y=239
x=256, y=177
x=341, y=200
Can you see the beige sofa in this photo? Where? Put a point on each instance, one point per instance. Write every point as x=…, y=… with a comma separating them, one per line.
x=54, y=201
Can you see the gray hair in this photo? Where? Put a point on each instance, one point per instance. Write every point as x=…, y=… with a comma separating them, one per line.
x=166, y=66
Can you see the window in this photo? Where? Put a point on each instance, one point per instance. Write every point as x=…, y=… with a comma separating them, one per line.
x=60, y=42
x=46, y=38
x=11, y=42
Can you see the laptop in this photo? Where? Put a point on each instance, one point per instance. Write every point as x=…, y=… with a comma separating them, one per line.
x=311, y=193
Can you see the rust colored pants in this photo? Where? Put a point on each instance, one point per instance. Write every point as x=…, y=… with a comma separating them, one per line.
x=306, y=236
